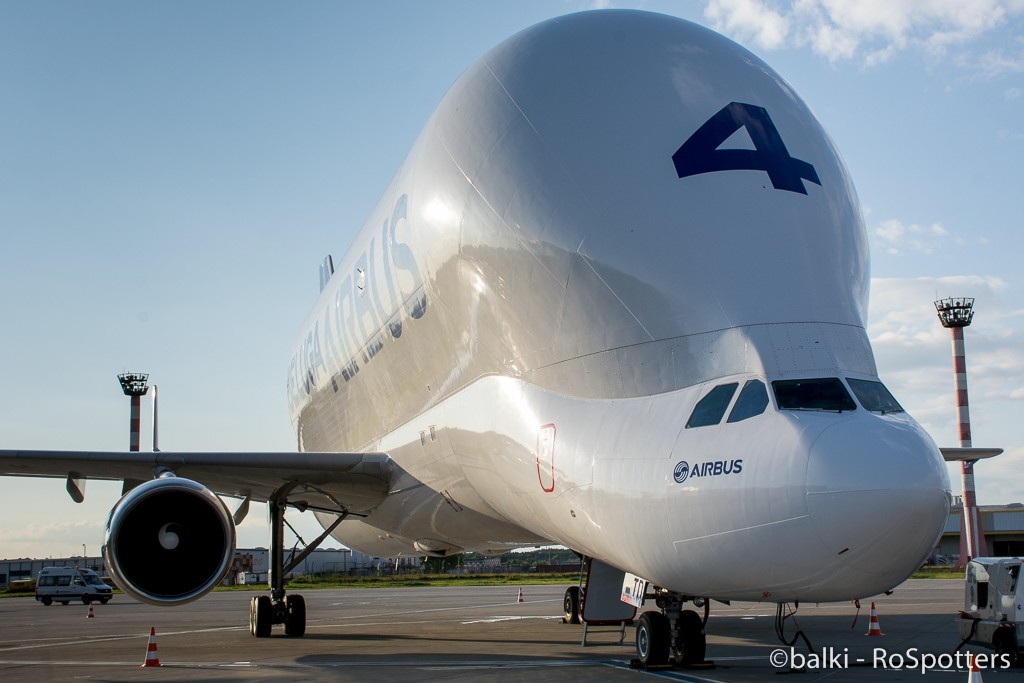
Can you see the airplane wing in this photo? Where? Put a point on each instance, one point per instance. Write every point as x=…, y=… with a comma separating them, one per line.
x=331, y=482
x=954, y=454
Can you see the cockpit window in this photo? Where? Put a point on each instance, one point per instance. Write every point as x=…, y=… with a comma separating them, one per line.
x=710, y=409
x=874, y=396
x=752, y=401
x=826, y=393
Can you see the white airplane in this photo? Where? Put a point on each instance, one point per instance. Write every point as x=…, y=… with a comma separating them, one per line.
x=614, y=299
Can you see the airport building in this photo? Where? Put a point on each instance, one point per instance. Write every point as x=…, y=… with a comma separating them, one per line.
x=23, y=569
x=1002, y=525
x=250, y=566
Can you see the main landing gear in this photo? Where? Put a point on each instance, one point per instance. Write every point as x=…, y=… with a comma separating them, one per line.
x=673, y=635
x=277, y=608
x=264, y=613
x=571, y=603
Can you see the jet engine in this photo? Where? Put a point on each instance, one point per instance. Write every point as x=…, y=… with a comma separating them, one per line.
x=169, y=541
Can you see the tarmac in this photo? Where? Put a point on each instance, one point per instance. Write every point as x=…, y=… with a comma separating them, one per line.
x=474, y=634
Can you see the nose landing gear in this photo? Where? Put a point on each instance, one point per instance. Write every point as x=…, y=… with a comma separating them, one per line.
x=672, y=636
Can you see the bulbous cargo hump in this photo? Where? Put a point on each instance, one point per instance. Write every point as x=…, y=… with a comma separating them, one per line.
x=609, y=204
x=667, y=161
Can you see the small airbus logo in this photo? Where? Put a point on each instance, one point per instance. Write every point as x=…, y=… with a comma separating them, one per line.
x=711, y=468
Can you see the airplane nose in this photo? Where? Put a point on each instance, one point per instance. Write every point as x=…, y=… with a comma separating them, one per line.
x=878, y=497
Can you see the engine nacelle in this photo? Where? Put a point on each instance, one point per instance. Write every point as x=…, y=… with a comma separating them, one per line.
x=169, y=541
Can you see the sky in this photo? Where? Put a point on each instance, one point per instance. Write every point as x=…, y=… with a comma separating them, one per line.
x=172, y=174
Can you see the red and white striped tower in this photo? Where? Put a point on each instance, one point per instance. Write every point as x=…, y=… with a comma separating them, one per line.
x=134, y=385
x=956, y=314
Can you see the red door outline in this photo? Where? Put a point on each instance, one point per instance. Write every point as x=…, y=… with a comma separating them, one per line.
x=546, y=456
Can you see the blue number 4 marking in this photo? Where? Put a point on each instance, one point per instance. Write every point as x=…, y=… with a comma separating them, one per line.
x=700, y=154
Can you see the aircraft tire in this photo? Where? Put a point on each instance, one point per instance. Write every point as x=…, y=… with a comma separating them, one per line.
x=261, y=616
x=571, y=605
x=295, y=621
x=652, y=639
x=692, y=643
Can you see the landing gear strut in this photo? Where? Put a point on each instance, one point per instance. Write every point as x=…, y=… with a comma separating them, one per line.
x=277, y=608
x=673, y=635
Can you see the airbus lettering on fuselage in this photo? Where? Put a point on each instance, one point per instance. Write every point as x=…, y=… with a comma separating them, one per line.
x=709, y=468
x=381, y=293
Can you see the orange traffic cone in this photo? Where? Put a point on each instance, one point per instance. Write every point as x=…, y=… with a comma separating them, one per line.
x=152, y=658
x=975, y=674
x=91, y=615
x=520, y=598
x=873, y=628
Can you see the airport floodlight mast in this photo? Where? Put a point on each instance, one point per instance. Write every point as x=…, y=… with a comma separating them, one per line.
x=956, y=314
x=134, y=385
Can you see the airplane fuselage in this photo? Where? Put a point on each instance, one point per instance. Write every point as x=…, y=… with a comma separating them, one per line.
x=579, y=250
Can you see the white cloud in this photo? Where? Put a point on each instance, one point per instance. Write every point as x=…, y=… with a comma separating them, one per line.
x=874, y=30
x=914, y=357
x=994, y=63
x=998, y=479
x=33, y=531
x=1004, y=135
x=54, y=539
x=750, y=18
x=898, y=237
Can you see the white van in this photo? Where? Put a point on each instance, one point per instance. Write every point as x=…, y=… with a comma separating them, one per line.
x=64, y=584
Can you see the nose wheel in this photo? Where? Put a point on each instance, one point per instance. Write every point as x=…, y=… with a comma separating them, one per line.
x=670, y=636
x=690, y=642
x=653, y=636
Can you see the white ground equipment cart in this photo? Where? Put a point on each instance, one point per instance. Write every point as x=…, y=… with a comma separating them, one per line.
x=993, y=613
